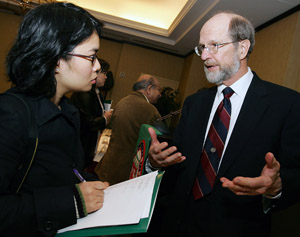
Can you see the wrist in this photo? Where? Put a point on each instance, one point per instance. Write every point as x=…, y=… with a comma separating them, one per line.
x=149, y=168
x=276, y=190
x=79, y=202
x=153, y=167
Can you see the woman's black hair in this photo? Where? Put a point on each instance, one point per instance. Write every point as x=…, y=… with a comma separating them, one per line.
x=47, y=33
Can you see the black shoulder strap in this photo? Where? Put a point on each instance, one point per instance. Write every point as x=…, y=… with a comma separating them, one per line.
x=32, y=142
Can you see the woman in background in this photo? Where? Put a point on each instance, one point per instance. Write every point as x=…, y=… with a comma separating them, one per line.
x=93, y=117
x=54, y=54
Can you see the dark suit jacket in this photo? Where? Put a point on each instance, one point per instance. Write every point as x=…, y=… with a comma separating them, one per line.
x=91, y=120
x=269, y=121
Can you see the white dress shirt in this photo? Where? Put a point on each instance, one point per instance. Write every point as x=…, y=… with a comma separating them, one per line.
x=240, y=88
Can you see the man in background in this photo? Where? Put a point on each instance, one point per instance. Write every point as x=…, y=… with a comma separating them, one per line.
x=128, y=116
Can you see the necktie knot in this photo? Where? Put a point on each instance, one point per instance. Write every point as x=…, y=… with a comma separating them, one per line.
x=227, y=92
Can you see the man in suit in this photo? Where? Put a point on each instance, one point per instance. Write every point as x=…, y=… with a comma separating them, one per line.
x=264, y=124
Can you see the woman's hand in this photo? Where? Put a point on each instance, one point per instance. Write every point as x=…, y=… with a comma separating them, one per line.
x=93, y=194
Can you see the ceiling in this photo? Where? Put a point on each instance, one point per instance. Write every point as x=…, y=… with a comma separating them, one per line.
x=172, y=26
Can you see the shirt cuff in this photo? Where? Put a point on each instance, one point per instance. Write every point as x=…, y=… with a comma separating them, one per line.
x=273, y=197
x=149, y=168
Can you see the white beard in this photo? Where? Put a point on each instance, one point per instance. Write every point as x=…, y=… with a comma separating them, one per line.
x=225, y=72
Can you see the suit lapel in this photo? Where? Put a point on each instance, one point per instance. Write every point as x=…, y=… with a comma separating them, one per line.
x=255, y=103
x=204, y=109
x=200, y=115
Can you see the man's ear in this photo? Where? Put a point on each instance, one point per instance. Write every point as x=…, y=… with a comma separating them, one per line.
x=244, y=48
x=148, y=90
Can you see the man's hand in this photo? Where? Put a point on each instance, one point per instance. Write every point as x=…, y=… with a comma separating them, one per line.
x=159, y=156
x=268, y=183
x=93, y=194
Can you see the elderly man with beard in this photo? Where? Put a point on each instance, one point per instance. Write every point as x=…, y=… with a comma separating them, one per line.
x=227, y=180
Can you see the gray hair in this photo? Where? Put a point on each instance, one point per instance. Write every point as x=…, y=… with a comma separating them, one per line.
x=143, y=84
x=241, y=29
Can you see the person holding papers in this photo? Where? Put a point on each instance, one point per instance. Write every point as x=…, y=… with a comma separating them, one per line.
x=54, y=54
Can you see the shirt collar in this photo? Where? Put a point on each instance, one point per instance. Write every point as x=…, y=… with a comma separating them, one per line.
x=240, y=87
x=146, y=98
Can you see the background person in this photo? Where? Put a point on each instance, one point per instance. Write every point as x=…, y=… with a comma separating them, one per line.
x=129, y=114
x=93, y=117
x=54, y=54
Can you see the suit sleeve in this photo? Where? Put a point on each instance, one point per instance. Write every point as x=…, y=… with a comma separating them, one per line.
x=178, y=134
x=85, y=103
x=290, y=155
x=168, y=184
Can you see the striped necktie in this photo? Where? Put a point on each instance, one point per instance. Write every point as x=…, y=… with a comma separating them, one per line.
x=213, y=147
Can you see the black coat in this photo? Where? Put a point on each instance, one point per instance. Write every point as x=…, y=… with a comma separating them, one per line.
x=269, y=121
x=45, y=202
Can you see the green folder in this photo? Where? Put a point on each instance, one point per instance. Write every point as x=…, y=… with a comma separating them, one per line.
x=141, y=151
x=141, y=227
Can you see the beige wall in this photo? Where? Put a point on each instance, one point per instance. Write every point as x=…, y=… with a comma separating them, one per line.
x=292, y=74
x=8, y=27
x=135, y=60
x=110, y=51
x=276, y=54
x=193, y=77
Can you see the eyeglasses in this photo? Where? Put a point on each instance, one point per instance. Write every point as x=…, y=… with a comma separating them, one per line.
x=91, y=58
x=211, y=48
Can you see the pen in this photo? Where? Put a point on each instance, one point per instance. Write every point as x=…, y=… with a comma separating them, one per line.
x=79, y=175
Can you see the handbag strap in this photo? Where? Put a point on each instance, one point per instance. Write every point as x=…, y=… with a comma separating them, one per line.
x=32, y=141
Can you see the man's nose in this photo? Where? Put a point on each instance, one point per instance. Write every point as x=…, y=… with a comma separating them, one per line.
x=205, y=54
